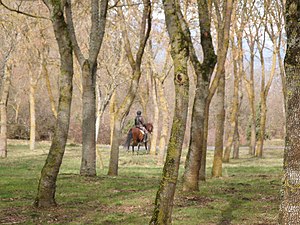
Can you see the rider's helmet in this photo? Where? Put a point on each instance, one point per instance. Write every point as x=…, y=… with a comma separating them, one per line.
x=139, y=113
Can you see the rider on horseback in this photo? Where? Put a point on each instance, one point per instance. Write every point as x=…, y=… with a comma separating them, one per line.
x=139, y=123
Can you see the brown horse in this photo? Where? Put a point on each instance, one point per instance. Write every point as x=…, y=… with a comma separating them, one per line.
x=136, y=136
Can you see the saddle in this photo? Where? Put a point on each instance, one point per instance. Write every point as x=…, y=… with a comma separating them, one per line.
x=143, y=132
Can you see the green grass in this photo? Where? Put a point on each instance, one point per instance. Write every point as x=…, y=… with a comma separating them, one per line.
x=248, y=193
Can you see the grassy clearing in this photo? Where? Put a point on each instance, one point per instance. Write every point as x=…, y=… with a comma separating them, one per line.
x=247, y=194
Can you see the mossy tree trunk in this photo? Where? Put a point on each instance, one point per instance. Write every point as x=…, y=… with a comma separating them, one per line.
x=289, y=212
x=179, y=52
x=47, y=183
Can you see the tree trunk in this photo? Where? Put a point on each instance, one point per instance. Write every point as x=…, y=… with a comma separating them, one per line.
x=192, y=166
x=114, y=151
x=165, y=194
x=88, y=161
x=49, y=89
x=234, y=110
x=262, y=132
x=220, y=118
x=47, y=183
x=289, y=212
x=196, y=157
x=5, y=86
x=202, y=172
x=251, y=98
x=236, y=140
x=163, y=105
x=88, y=65
x=32, y=115
x=156, y=117
x=179, y=51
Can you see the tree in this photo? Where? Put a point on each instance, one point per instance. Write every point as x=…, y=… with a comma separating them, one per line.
x=47, y=183
x=251, y=35
x=203, y=73
x=179, y=52
x=89, y=69
x=223, y=30
x=8, y=43
x=289, y=212
x=119, y=113
x=273, y=32
x=238, y=70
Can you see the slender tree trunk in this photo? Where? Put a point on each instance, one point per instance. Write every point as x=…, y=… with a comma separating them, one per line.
x=163, y=137
x=32, y=114
x=98, y=113
x=47, y=183
x=251, y=98
x=234, y=110
x=88, y=161
x=220, y=118
x=114, y=153
x=289, y=212
x=49, y=90
x=156, y=118
x=202, y=172
x=236, y=140
x=5, y=86
x=262, y=133
x=263, y=97
x=179, y=51
x=196, y=156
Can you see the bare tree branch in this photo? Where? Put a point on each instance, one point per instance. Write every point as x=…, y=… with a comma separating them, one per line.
x=22, y=13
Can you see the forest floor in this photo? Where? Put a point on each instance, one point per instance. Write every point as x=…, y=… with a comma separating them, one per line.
x=248, y=192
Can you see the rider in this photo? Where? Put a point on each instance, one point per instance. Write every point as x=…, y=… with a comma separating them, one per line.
x=139, y=123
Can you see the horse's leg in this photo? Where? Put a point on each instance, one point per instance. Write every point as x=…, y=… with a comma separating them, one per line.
x=146, y=147
x=132, y=148
x=138, y=149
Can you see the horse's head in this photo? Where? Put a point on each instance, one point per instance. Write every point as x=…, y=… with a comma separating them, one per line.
x=149, y=127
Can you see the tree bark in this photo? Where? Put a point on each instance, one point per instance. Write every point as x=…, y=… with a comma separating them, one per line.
x=5, y=86
x=203, y=73
x=165, y=118
x=234, y=108
x=88, y=160
x=89, y=70
x=289, y=212
x=236, y=140
x=179, y=51
x=223, y=42
x=47, y=183
x=32, y=114
x=156, y=117
x=220, y=118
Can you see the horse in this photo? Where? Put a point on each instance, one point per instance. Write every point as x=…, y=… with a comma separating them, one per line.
x=136, y=136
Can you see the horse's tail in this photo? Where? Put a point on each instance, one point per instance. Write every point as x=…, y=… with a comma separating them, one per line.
x=129, y=138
